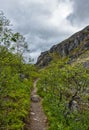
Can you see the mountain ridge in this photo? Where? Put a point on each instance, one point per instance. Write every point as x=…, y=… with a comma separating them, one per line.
x=72, y=47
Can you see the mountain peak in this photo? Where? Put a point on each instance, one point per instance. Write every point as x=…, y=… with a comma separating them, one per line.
x=71, y=47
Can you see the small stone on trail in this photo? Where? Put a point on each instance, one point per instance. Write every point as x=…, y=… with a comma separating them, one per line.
x=32, y=113
x=35, y=98
x=35, y=119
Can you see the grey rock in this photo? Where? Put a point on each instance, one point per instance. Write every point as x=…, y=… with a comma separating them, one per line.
x=86, y=64
x=74, y=106
x=35, y=98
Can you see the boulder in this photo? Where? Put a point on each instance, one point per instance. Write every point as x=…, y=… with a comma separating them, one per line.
x=35, y=98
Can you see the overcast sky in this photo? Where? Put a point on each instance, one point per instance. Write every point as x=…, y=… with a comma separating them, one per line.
x=46, y=22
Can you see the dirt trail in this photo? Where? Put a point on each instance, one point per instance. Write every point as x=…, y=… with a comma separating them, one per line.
x=37, y=119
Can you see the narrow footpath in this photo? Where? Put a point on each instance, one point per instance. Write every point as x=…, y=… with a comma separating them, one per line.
x=37, y=119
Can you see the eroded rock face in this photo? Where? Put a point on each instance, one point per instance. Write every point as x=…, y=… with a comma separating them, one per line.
x=79, y=41
x=44, y=59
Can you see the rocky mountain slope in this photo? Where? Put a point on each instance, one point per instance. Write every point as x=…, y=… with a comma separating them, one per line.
x=64, y=83
x=72, y=47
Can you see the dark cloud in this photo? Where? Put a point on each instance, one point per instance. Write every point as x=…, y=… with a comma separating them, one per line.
x=80, y=14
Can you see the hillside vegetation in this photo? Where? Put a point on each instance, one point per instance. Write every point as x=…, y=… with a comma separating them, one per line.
x=64, y=83
x=65, y=90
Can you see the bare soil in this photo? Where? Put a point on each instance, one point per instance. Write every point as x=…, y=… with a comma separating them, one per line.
x=37, y=120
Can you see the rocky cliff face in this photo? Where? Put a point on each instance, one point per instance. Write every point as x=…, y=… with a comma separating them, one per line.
x=72, y=47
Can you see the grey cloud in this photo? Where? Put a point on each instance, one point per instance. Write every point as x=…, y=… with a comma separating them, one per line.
x=80, y=14
x=33, y=18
